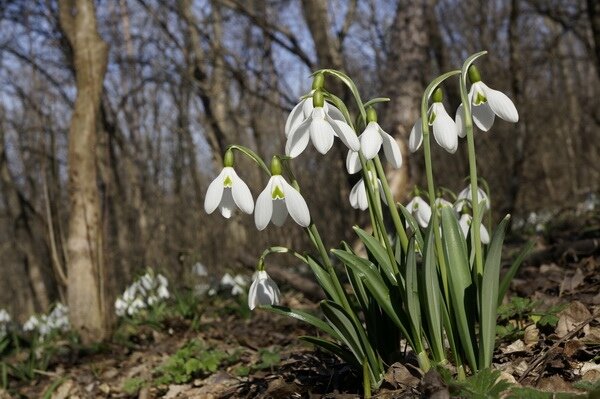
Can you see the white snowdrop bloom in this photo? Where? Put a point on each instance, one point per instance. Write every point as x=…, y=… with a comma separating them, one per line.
x=226, y=192
x=277, y=200
x=373, y=138
x=162, y=280
x=163, y=292
x=147, y=281
x=358, y=195
x=4, y=316
x=353, y=162
x=31, y=324
x=263, y=291
x=486, y=103
x=444, y=129
x=464, y=198
x=199, y=270
x=152, y=299
x=441, y=203
x=465, y=224
x=320, y=128
x=303, y=110
x=120, y=307
x=420, y=210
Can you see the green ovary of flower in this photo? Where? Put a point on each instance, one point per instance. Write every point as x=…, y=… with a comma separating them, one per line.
x=277, y=193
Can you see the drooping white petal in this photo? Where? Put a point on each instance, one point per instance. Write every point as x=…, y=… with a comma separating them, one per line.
x=361, y=194
x=295, y=118
x=444, y=129
x=420, y=210
x=370, y=140
x=264, y=207
x=334, y=112
x=353, y=162
x=298, y=139
x=279, y=212
x=464, y=223
x=227, y=204
x=459, y=120
x=214, y=193
x=241, y=193
x=442, y=203
x=307, y=107
x=483, y=116
x=391, y=150
x=296, y=205
x=345, y=133
x=501, y=104
x=416, y=136
x=321, y=132
x=464, y=198
x=354, y=194
x=484, y=236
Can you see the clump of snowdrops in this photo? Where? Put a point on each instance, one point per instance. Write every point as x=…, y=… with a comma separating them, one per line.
x=147, y=291
x=431, y=282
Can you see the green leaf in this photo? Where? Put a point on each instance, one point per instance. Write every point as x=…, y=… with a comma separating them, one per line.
x=459, y=279
x=378, y=252
x=412, y=292
x=414, y=226
x=375, y=101
x=323, y=278
x=433, y=298
x=489, y=295
x=512, y=271
x=332, y=347
x=303, y=316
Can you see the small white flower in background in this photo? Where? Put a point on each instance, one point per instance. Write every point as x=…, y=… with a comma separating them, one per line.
x=237, y=283
x=56, y=320
x=444, y=129
x=373, y=137
x=358, y=195
x=486, y=104
x=464, y=198
x=420, y=210
x=263, y=291
x=303, y=110
x=199, y=270
x=226, y=192
x=277, y=200
x=5, y=320
x=320, y=127
x=465, y=224
x=147, y=291
x=440, y=203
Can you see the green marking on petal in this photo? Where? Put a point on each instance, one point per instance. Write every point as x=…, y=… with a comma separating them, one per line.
x=227, y=182
x=431, y=118
x=479, y=99
x=277, y=193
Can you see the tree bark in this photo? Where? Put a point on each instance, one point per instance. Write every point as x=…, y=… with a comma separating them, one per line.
x=84, y=243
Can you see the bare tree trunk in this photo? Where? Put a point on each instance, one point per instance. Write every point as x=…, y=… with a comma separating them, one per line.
x=84, y=244
x=593, y=9
x=406, y=71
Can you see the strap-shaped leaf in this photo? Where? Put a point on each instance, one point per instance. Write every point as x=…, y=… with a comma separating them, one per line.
x=323, y=278
x=332, y=347
x=414, y=226
x=459, y=279
x=433, y=298
x=412, y=293
x=378, y=252
x=305, y=317
x=376, y=100
x=504, y=284
x=489, y=296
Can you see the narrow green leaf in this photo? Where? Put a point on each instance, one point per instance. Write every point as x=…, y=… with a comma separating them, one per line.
x=378, y=252
x=459, y=279
x=512, y=271
x=414, y=226
x=489, y=296
x=323, y=278
x=375, y=101
x=432, y=295
x=332, y=347
x=305, y=317
x=412, y=292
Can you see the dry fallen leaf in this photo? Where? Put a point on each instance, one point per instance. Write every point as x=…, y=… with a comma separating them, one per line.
x=398, y=375
x=571, y=317
x=570, y=283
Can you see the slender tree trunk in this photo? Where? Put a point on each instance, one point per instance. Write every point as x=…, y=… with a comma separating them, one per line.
x=84, y=244
x=593, y=9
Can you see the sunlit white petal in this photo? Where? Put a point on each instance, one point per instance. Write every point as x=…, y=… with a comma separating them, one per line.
x=241, y=194
x=295, y=118
x=416, y=136
x=459, y=120
x=298, y=139
x=264, y=207
x=444, y=128
x=334, y=113
x=321, y=132
x=214, y=193
x=391, y=150
x=353, y=162
x=296, y=205
x=500, y=104
x=345, y=133
x=370, y=140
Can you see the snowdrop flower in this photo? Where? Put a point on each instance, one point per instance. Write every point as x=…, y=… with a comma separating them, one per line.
x=420, y=210
x=263, y=291
x=236, y=283
x=486, y=104
x=4, y=316
x=444, y=129
x=373, y=137
x=227, y=190
x=464, y=198
x=440, y=203
x=318, y=126
x=358, y=194
x=465, y=223
x=199, y=270
x=31, y=324
x=278, y=199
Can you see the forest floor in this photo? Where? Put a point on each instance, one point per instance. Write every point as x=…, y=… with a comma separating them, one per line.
x=549, y=333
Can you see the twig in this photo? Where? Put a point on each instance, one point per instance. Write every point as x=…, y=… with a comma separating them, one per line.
x=567, y=337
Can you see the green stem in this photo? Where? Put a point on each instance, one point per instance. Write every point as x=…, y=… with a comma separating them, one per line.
x=391, y=204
